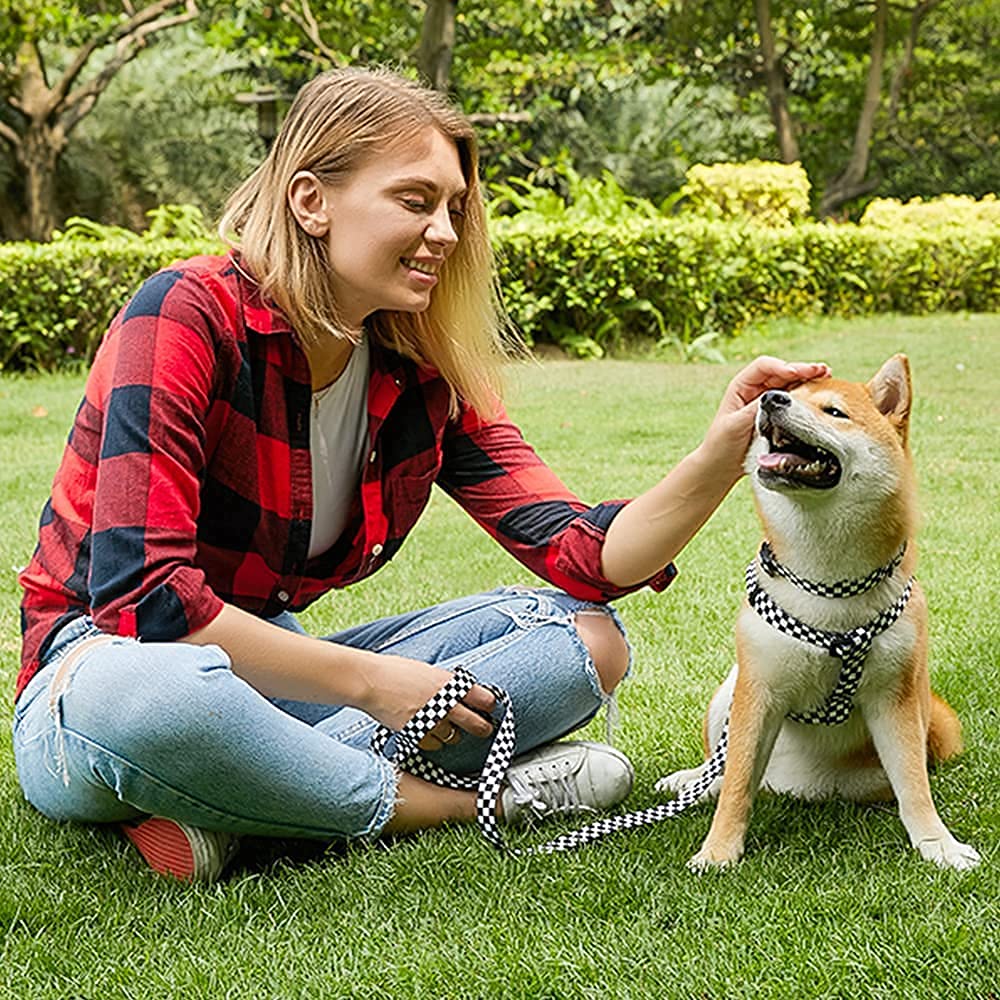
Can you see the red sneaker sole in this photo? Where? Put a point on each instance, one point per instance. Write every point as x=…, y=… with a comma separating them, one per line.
x=164, y=846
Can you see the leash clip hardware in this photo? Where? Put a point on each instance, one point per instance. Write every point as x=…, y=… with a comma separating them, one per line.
x=849, y=644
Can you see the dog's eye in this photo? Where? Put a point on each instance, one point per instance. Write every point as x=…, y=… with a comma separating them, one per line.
x=834, y=412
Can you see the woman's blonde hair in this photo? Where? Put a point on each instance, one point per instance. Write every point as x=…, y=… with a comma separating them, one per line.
x=336, y=121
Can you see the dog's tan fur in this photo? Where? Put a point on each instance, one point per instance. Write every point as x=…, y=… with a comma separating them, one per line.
x=829, y=534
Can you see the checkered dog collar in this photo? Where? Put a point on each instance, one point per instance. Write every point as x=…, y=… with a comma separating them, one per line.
x=841, y=588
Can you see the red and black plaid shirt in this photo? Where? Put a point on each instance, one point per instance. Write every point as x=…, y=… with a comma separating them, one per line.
x=187, y=480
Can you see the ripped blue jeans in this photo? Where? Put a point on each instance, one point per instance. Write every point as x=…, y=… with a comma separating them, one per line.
x=115, y=729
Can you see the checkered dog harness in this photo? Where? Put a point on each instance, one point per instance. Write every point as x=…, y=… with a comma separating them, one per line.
x=851, y=648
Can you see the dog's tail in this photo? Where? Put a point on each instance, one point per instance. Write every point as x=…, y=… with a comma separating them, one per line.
x=944, y=734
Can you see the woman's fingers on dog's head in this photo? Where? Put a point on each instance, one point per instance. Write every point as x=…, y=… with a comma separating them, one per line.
x=766, y=373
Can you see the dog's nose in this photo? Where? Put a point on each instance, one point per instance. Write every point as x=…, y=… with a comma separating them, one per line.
x=774, y=399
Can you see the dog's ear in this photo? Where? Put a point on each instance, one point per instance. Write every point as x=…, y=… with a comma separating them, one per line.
x=892, y=392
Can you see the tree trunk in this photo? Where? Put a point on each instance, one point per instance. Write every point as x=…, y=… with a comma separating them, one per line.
x=37, y=146
x=437, y=42
x=851, y=183
x=38, y=156
x=774, y=79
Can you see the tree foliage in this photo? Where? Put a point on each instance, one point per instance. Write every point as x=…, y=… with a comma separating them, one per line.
x=168, y=131
x=876, y=97
x=882, y=97
x=56, y=60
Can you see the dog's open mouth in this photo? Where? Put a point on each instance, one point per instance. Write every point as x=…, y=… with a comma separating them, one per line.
x=797, y=463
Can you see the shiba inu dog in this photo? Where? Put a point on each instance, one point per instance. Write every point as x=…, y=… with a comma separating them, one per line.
x=830, y=694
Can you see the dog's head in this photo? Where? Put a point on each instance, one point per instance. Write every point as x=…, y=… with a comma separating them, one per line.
x=829, y=436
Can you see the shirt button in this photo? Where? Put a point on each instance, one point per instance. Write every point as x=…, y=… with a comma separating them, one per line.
x=372, y=456
x=283, y=596
x=376, y=550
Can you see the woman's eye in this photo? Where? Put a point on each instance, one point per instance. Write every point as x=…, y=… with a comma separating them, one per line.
x=457, y=212
x=415, y=204
x=834, y=412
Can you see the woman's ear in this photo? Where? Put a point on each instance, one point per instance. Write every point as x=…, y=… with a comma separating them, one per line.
x=308, y=203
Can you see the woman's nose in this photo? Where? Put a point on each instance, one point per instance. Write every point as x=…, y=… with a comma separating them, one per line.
x=441, y=229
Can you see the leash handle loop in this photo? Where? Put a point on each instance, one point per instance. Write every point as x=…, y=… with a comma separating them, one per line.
x=488, y=784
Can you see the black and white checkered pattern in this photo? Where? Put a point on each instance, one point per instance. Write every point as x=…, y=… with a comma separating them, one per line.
x=841, y=588
x=687, y=796
x=489, y=783
x=851, y=648
x=408, y=757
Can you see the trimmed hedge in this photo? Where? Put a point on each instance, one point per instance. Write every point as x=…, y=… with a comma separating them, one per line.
x=946, y=210
x=582, y=286
x=57, y=299
x=678, y=280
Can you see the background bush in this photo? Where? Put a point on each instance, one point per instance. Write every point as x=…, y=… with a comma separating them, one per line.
x=58, y=298
x=583, y=282
x=772, y=194
x=948, y=210
x=680, y=281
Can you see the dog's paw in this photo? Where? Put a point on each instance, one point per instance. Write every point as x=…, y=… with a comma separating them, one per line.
x=714, y=859
x=949, y=853
x=673, y=783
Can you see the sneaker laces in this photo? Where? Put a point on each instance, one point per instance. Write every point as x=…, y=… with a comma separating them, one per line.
x=546, y=791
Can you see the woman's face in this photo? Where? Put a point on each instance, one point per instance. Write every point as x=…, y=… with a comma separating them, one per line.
x=392, y=224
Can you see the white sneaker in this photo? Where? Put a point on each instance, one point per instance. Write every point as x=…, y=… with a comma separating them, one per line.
x=565, y=779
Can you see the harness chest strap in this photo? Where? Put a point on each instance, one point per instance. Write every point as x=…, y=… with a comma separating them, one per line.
x=851, y=647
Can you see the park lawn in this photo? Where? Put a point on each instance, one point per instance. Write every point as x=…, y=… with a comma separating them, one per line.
x=829, y=901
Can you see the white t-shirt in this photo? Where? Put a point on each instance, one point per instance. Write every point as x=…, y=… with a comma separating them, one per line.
x=338, y=437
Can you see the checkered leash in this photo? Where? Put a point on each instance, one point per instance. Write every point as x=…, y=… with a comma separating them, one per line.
x=850, y=647
x=408, y=757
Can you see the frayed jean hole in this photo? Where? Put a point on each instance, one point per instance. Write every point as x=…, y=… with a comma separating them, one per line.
x=62, y=680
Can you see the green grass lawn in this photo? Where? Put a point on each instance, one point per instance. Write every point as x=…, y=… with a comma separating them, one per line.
x=830, y=900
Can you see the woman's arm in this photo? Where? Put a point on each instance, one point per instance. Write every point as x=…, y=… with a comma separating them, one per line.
x=284, y=664
x=651, y=530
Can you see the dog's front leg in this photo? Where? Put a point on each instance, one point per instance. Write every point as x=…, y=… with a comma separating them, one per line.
x=899, y=733
x=753, y=727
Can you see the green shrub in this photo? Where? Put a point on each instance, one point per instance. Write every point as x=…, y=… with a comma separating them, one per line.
x=678, y=281
x=166, y=222
x=584, y=284
x=947, y=210
x=588, y=199
x=58, y=298
x=772, y=194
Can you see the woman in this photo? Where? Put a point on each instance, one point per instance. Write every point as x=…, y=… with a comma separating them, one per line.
x=262, y=427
